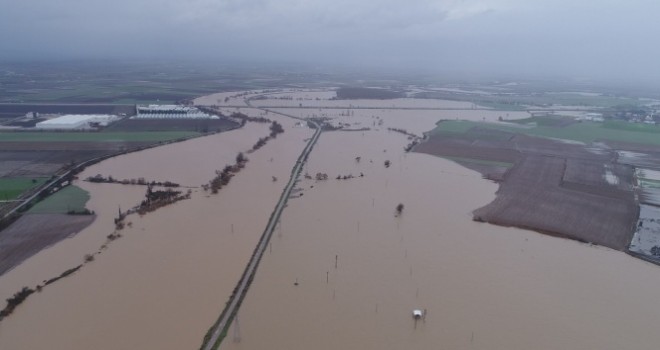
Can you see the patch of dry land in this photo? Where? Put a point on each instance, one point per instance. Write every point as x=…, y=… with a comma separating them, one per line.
x=343, y=269
x=33, y=232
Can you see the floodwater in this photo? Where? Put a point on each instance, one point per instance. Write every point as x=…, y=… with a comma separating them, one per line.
x=323, y=98
x=392, y=103
x=167, y=279
x=360, y=270
x=484, y=287
x=422, y=120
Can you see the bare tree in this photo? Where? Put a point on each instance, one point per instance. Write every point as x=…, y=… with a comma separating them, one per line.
x=399, y=209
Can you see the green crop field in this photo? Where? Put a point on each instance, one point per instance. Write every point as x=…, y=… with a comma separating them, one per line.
x=480, y=161
x=61, y=202
x=147, y=136
x=586, y=132
x=454, y=127
x=11, y=188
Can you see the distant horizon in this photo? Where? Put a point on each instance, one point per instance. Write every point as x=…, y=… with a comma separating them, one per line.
x=560, y=39
x=336, y=71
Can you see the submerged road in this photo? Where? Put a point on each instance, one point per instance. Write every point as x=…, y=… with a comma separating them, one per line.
x=212, y=341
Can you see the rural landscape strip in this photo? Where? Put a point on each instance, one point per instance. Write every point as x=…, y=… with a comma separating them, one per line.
x=79, y=167
x=216, y=334
x=358, y=107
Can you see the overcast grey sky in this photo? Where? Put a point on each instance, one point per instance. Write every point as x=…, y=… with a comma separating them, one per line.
x=568, y=38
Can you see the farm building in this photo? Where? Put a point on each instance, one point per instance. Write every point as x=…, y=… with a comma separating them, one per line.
x=170, y=112
x=595, y=117
x=77, y=121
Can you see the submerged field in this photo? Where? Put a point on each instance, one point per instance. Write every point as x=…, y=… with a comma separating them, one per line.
x=344, y=268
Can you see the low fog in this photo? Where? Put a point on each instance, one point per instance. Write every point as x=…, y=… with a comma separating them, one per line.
x=601, y=39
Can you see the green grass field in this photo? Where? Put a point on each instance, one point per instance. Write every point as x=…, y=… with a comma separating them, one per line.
x=480, y=161
x=11, y=188
x=146, y=136
x=586, y=132
x=553, y=121
x=66, y=199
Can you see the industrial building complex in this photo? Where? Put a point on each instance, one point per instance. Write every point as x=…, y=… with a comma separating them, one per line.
x=70, y=121
x=170, y=112
x=77, y=121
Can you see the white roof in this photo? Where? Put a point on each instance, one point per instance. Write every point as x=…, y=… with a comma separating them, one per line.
x=170, y=112
x=163, y=108
x=75, y=118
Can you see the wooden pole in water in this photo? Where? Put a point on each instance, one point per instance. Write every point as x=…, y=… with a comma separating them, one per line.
x=327, y=277
x=358, y=226
x=336, y=258
x=232, y=228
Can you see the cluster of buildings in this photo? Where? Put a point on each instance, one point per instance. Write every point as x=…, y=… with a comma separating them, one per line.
x=171, y=112
x=594, y=117
x=96, y=121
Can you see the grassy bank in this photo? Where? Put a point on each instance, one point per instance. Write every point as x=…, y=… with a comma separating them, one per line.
x=11, y=188
x=70, y=198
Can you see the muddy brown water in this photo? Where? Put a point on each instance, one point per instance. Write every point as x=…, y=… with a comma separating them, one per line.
x=165, y=282
x=484, y=287
x=167, y=279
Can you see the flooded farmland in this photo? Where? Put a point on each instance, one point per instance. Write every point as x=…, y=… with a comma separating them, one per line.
x=343, y=269
x=173, y=269
x=483, y=286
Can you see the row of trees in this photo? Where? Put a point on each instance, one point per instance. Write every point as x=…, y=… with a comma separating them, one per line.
x=14, y=301
x=349, y=176
x=158, y=199
x=414, y=139
x=223, y=176
x=139, y=181
x=246, y=118
x=275, y=129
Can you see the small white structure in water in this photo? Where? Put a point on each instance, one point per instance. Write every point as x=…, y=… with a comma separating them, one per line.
x=417, y=314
